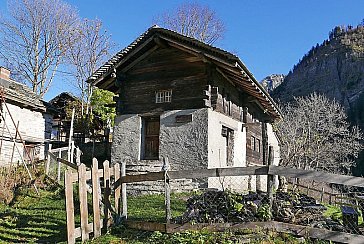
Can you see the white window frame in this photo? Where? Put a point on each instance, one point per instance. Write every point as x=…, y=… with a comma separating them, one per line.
x=163, y=96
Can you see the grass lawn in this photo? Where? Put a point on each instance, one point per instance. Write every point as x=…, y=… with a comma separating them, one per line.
x=33, y=218
x=151, y=207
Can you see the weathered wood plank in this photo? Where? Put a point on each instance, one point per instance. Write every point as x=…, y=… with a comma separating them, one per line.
x=117, y=189
x=107, y=192
x=319, y=176
x=59, y=159
x=152, y=176
x=123, y=193
x=96, y=198
x=197, y=173
x=70, y=208
x=148, y=226
x=218, y=172
x=82, y=188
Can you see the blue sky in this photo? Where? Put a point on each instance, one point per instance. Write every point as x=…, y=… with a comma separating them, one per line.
x=269, y=36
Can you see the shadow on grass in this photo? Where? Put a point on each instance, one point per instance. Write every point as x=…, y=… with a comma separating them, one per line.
x=33, y=218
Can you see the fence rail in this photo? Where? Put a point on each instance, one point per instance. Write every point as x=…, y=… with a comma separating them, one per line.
x=251, y=170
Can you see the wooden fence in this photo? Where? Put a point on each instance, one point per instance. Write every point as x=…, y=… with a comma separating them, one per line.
x=56, y=156
x=115, y=179
x=100, y=201
x=270, y=171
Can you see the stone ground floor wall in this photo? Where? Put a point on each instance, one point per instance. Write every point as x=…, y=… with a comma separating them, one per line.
x=183, y=143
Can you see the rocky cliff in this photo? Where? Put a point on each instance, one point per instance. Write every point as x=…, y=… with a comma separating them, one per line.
x=271, y=82
x=334, y=68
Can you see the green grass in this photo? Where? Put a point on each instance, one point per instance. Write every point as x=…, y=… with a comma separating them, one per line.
x=152, y=208
x=121, y=234
x=334, y=212
x=33, y=218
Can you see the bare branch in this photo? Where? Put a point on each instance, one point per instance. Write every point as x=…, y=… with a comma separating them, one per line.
x=89, y=47
x=315, y=134
x=193, y=20
x=33, y=39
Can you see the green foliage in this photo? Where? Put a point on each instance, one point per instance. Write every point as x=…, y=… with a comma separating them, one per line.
x=100, y=101
x=121, y=234
x=264, y=212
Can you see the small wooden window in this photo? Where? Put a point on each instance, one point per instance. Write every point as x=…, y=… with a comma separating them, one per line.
x=252, y=143
x=151, y=138
x=164, y=96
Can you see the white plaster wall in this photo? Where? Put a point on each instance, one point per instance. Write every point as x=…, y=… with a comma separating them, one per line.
x=217, y=143
x=273, y=141
x=32, y=127
x=217, y=151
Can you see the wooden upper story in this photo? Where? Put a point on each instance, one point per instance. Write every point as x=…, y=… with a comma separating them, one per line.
x=163, y=70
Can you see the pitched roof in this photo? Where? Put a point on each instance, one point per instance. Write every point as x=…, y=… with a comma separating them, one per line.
x=232, y=67
x=21, y=95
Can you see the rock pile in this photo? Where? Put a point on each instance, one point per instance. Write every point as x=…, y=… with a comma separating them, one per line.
x=223, y=207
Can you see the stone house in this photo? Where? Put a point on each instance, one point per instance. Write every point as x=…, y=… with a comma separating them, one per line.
x=31, y=115
x=194, y=103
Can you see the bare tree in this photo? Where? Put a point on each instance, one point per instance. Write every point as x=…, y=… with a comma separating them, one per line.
x=195, y=21
x=89, y=47
x=33, y=39
x=315, y=134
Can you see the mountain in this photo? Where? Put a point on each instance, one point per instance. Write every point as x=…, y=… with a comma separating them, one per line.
x=271, y=82
x=334, y=68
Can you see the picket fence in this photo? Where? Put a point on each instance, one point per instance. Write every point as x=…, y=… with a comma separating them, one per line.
x=101, y=188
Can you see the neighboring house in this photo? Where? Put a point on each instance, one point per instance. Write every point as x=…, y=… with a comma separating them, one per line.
x=32, y=116
x=61, y=122
x=196, y=104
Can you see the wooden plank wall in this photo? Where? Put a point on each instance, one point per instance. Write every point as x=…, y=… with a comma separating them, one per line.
x=164, y=69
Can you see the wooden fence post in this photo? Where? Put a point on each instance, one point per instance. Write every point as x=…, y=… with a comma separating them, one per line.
x=117, y=190
x=123, y=193
x=107, y=213
x=72, y=151
x=59, y=166
x=48, y=158
x=270, y=180
x=70, y=208
x=96, y=197
x=167, y=189
x=82, y=188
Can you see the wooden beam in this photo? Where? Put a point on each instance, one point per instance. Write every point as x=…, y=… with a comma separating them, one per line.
x=297, y=230
x=67, y=163
x=197, y=173
x=141, y=57
x=160, y=42
x=319, y=176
